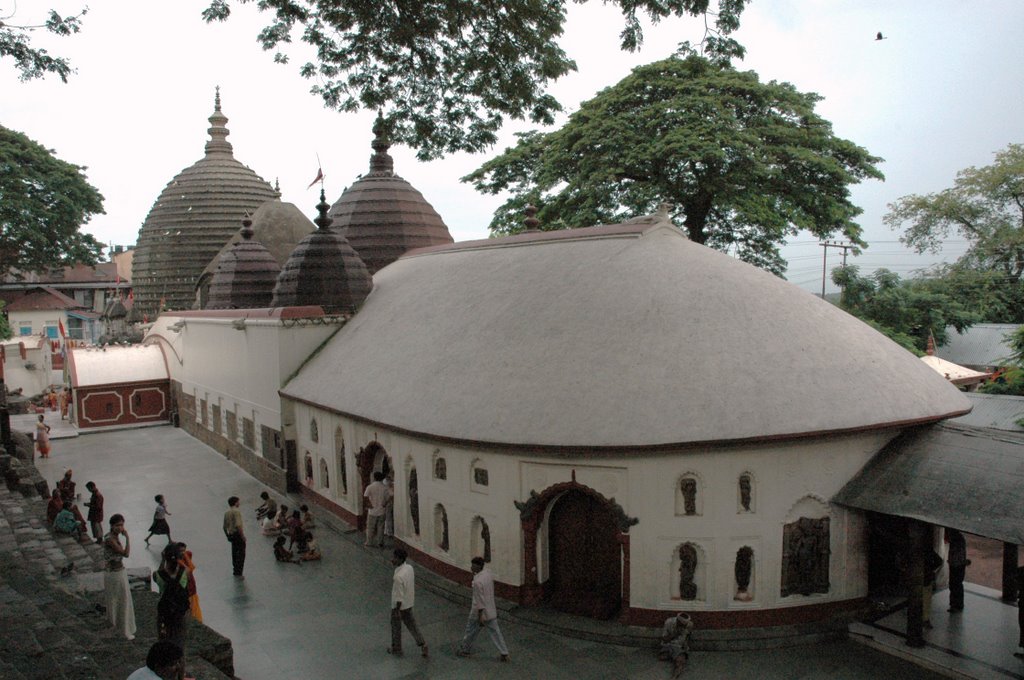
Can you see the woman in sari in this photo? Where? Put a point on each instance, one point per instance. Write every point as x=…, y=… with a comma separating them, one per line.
x=42, y=438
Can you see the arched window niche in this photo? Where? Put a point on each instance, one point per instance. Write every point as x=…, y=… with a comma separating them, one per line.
x=689, y=573
x=339, y=448
x=439, y=465
x=745, y=497
x=743, y=571
x=325, y=478
x=308, y=468
x=479, y=480
x=806, y=548
x=414, y=499
x=441, y=527
x=689, y=495
x=314, y=431
x=481, y=538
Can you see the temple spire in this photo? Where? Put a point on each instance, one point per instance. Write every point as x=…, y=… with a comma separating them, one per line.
x=323, y=220
x=218, y=130
x=381, y=162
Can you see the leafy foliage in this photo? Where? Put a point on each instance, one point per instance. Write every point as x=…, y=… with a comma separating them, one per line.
x=906, y=311
x=987, y=292
x=16, y=43
x=43, y=202
x=743, y=164
x=984, y=205
x=1011, y=382
x=447, y=73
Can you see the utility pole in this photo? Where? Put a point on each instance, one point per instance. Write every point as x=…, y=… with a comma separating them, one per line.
x=824, y=260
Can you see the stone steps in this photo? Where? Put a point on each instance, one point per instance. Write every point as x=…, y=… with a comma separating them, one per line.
x=53, y=624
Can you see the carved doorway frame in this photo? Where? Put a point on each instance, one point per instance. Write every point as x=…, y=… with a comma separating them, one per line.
x=533, y=513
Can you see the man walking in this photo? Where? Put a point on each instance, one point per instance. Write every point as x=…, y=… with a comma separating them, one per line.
x=95, y=515
x=235, y=533
x=483, y=613
x=403, y=596
x=377, y=496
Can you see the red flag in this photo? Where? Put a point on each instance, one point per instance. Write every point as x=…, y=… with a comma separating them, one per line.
x=319, y=177
x=60, y=327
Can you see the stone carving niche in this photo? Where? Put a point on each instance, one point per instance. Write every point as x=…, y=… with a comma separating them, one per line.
x=805, y=557
x=744, y=571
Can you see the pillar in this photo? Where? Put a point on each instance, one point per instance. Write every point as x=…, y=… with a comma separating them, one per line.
x=1010, y=572
x=919, y=541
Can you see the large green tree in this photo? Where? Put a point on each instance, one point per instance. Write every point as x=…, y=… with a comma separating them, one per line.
x=907, y=311
x=1012, y=380
x=447, y=73
x=743, y=164
x=34, y=62
x=985, y=206
x=43, y=203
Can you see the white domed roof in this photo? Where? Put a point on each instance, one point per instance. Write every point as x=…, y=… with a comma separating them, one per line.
x=615, y=336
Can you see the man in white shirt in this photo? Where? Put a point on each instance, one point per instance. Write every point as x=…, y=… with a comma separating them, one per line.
x=675, y=641
x=482, y=613
x=377, y=496
x=165, y=661
x=403, y=596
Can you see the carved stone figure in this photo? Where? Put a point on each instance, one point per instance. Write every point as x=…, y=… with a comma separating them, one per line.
x=744, y=568
x=414, y=501
x=689, y=488
x=444, y=530
x=687, y=571
x=440, y=469
x=805, y=557
x=745, y=492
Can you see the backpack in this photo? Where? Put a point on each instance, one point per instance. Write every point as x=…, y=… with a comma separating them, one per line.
x=174, y=599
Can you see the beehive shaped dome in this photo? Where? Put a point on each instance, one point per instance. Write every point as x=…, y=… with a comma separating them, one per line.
x=323, y=270
x=190, y=222
x=245, y=275
x=382, y=215
x=279, y=226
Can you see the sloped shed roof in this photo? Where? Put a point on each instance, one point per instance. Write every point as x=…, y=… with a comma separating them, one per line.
x=964, y=478
x=616, y=336
x=982, y=344
x=115, y=365
x=998, y=411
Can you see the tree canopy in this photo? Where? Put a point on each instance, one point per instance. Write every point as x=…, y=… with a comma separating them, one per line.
x=447, y=73
x=43, y=203
x=743, y=164
x=33, y=62
x=907, y=311
x=1011, y=381
x=984, y=205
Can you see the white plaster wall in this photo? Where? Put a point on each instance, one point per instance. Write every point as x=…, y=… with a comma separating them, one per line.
x=38, y=318
x=16, y=375
x=239, y=369
x=786, y=478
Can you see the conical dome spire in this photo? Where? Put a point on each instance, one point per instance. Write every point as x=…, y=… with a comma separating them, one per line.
x=195, y=215
x=382, y=215
x=323, y=270
x=218, y=129
x=246, y=275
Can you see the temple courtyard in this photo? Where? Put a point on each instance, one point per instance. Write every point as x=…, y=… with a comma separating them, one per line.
x=329, y=619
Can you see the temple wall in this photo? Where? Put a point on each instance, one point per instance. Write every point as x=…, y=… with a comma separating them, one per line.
x=788, y=481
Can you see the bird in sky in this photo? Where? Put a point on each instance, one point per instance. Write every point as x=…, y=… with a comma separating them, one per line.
x=879, y=36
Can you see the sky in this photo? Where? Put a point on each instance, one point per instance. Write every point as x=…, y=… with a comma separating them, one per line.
x=942, y=92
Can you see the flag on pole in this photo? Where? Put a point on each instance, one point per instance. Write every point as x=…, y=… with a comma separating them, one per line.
x=319, y=177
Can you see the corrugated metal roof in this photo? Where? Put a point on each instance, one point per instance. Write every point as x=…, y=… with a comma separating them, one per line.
x=965, y=478
x=999, y=411
x=116, y=365
x=983, y=344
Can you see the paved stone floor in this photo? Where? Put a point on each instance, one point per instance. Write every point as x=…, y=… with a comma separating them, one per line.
x=330, y=619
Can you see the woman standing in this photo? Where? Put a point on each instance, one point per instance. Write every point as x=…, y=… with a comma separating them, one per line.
x=42, y=438
x=120, y=608
x=172, y=581
x=160, y=525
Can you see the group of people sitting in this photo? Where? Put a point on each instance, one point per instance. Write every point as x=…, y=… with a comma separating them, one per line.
x=61, y=512
x=295, y=528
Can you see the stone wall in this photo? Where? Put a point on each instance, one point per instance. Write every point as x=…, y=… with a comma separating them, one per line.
x=249, y=460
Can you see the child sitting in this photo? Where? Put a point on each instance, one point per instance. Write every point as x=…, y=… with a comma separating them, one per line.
x=283, y=554
x=307, y=518
x=308, y=550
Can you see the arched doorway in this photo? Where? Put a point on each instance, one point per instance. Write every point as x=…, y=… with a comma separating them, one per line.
x=584, y=557
x=371, y=458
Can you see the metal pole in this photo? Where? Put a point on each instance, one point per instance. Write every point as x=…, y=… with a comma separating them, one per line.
x=824, y=260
